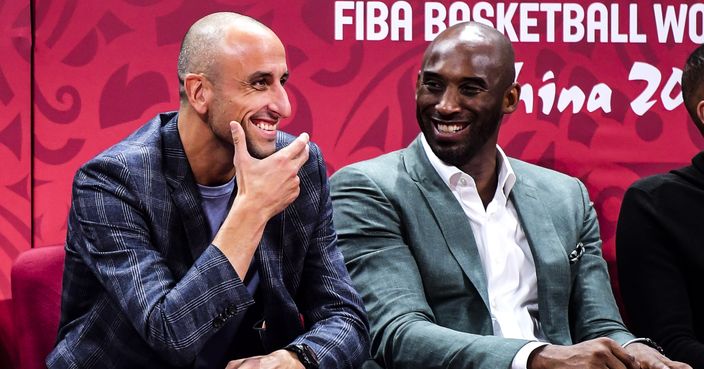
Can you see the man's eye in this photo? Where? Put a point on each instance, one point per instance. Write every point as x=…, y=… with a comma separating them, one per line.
x=470, y=90
x=432, y=85
x=259, y=83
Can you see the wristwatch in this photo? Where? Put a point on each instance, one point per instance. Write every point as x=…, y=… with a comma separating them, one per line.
x=305, y=354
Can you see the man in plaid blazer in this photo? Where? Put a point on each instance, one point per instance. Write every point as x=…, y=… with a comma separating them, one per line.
x=205, y=238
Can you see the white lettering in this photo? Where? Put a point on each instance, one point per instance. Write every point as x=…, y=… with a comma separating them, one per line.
x=526, y=90
x=550, y=9
x=458, y=12
x=481, y=11
x=696, y=21
x=573, y=95
x=435, y=14
x=666, y=94
x=633, y=21
x=359, y=14
x=547, y=92
x=644, y=72
x=504, y=19
x=527, y=21
x=377, y=15
x=615, y=35
x=670, y=23
x=402, y=19
x=597, y=16
x=600, y=97
x=341, y=19
x=572, y=27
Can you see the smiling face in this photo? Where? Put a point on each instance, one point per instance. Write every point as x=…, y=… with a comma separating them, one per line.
x=249, y=87
x=464, y=88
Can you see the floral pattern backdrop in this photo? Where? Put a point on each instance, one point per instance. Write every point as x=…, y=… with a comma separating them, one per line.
x=77, y=76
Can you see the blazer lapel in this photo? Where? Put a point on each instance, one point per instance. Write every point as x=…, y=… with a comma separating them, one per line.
x=551, y=264
x=184, y=192
x=449, y=216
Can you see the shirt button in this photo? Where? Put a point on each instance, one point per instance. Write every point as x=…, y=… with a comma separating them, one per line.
x=463, y=181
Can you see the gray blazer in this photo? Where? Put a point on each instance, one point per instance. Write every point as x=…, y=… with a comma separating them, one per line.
x=412, y=256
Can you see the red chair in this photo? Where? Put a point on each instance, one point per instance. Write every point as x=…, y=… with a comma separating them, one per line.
x=8, y=344
x=36, y=303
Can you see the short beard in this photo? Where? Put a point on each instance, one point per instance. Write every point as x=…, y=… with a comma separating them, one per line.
x=253, y=151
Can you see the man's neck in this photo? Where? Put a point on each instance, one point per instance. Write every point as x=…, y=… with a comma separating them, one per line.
x=483, y=169
x=210, y=159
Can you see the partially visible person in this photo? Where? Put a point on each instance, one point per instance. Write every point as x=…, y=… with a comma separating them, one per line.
x=467, y=258
x=205, y=238
x=660, y=244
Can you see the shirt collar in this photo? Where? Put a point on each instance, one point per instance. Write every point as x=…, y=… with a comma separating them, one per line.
x=450, y=174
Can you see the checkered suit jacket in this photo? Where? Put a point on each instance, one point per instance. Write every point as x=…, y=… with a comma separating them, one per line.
x=144, y=288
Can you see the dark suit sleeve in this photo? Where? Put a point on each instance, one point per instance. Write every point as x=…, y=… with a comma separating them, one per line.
x=652, y=285
x=593, y=309
x=339, y=333
x=112, y=236
x=384, y=270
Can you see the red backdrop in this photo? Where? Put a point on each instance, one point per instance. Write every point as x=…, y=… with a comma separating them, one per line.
x=100, y=69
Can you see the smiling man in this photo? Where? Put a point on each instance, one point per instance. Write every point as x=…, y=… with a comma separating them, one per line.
x=205, y=238
x=466, y=258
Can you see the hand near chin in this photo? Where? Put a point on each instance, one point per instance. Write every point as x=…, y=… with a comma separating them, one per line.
x=280, y=359
x=649, y=358
x=271, y=183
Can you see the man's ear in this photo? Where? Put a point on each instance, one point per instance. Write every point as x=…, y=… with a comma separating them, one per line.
x=511, y=98
x=700, y=113
x=197, y=91
x=418, y=81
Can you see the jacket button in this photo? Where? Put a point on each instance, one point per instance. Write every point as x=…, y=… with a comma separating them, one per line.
x=218, y=322
x=231, y=310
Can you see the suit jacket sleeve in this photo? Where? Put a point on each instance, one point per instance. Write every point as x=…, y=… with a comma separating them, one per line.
x=112, y=236
x=403, y=328
x=593, y=310
x=653, y=284
x=339, y=332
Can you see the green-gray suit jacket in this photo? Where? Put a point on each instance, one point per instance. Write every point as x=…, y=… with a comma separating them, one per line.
x=412, y=255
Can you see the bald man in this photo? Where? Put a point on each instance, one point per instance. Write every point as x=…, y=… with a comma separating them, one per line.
x=495, y=263
x=205, y=238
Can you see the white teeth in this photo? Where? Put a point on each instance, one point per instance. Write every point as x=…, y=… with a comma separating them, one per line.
x=449, y=128
x=266, y=127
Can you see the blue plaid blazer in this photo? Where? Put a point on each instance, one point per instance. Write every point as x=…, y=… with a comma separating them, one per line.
x=144, y=288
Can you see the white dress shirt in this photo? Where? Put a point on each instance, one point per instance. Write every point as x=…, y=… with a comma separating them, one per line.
x=506, y=257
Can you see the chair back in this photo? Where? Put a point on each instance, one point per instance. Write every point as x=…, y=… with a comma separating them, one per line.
x=36, y=303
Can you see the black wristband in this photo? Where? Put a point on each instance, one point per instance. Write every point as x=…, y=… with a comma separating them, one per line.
x=647, y=342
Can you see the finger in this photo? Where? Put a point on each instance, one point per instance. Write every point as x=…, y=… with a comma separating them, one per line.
x=623, y=356
x=234, y=364
x=238, y=139
x=295, y=148
x=614, y=362
x=302, y=158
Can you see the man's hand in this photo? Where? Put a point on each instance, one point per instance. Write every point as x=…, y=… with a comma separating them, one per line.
x=649, y=358
x=272, y=183
x=280, y=359
x=596, y=353
x=265, y=187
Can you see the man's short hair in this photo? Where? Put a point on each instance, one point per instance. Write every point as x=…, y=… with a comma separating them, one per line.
x=692, y=81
